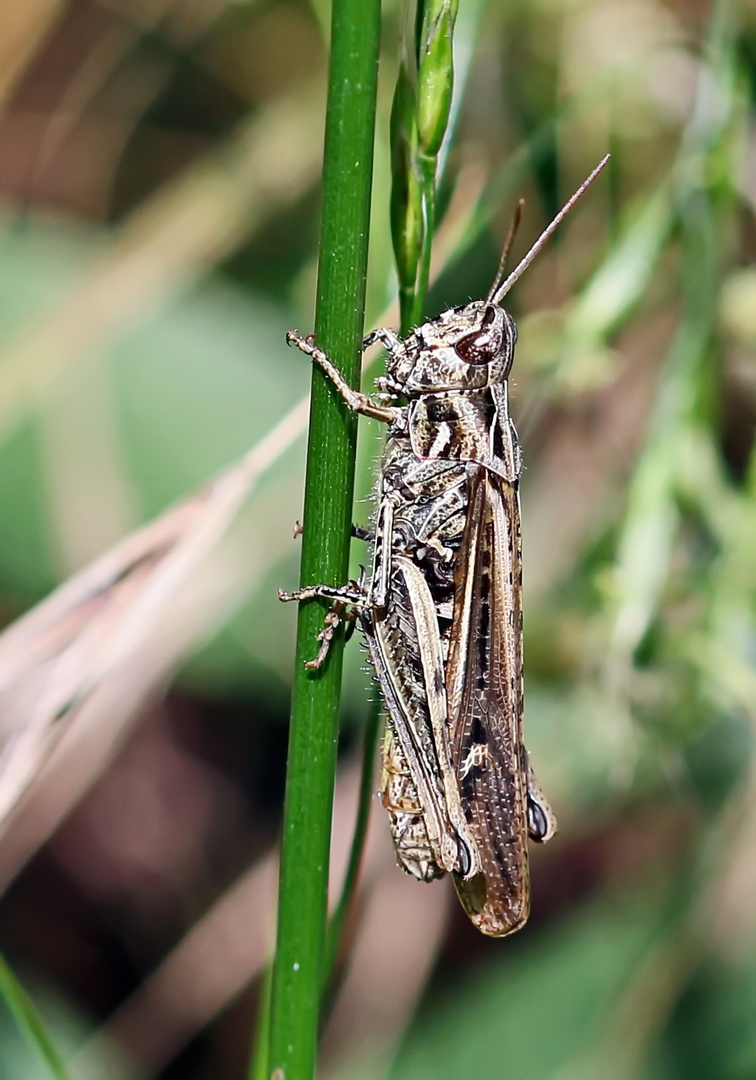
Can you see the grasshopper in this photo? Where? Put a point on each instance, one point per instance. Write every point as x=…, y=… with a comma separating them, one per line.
x=442, y=609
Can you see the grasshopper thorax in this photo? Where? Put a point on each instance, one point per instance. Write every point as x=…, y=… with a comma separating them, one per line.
x=464, y=348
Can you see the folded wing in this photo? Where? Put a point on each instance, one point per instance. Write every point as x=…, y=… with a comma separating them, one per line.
x=485, y=696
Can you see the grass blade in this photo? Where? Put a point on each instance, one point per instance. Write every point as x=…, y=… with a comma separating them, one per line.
x=30, y=1022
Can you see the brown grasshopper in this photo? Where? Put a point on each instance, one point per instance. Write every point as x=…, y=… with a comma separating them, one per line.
x=442, y=609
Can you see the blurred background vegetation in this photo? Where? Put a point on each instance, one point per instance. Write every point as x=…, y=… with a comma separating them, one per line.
x=159, y=164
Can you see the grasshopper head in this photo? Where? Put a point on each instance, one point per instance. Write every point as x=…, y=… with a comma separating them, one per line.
x=470, y=347
x=465, y=348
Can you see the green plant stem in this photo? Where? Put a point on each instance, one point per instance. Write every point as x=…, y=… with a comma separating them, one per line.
x=259, y=1068
x=347, y=172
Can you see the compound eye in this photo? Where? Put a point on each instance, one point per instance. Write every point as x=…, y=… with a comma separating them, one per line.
x=481, y=346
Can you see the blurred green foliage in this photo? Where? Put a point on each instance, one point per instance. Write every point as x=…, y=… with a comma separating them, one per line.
x=635, y=399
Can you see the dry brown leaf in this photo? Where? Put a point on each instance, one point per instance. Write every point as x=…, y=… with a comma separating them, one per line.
x=74, y=670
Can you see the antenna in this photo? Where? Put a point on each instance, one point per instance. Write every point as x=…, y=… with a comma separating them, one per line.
x=513, y=227
x=525, y=263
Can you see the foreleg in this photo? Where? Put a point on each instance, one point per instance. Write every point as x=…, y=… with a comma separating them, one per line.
x=348, y=602
x=357, y=402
